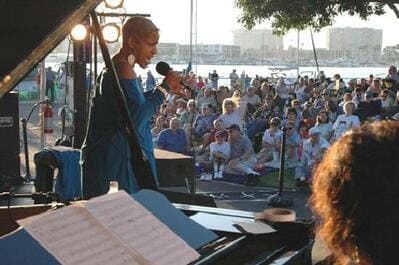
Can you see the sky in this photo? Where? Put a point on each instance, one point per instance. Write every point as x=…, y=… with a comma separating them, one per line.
x=217, y=19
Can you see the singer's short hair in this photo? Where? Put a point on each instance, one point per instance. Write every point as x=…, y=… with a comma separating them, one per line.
x=138, y=27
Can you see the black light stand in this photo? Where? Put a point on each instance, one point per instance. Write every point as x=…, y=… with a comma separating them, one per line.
x=24, y=122
x=278, y=199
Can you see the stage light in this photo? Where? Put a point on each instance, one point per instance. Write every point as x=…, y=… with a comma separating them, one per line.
x=111, y=32
x=113, y=4
x=79, y=32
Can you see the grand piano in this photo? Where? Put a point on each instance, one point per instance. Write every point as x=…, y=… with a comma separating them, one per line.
x=30, y=31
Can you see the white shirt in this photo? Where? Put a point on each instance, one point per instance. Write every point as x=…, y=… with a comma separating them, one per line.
x=223, y=148
x=170, y=98
x=282, y=91
x=253, y=100
x=311, y=151
x=300, y=91
x=271, y=137
x=232, y=118
x=344, y=123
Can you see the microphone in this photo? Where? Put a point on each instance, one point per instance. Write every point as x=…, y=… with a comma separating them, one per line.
x=163, y=68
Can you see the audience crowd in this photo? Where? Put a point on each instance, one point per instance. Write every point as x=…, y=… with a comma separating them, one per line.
x=238, y=129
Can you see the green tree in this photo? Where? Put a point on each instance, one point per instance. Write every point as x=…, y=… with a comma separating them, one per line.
x=392, y=51
x=301, y=14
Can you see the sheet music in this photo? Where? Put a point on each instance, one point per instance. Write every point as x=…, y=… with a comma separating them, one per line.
x=73, y=237
x=140, y=230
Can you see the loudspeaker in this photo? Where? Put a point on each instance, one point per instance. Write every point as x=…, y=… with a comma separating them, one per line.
x=174, y=169
x=9, y=125
x=10, y=175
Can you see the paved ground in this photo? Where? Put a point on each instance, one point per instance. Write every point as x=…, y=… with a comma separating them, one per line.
x=239, y=197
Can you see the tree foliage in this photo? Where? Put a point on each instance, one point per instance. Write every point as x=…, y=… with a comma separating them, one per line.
x=392, y=51
x=300, y=14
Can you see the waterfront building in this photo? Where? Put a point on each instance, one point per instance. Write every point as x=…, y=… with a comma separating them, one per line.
x=355, y=43
x=258, y=43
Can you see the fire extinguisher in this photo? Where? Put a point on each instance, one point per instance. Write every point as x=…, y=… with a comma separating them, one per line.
x=47, y=118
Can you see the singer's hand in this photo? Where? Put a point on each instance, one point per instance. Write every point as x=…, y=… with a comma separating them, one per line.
x=173, y=80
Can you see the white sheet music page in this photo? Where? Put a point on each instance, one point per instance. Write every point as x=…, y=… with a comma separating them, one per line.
x=140, y=230
x=73, y=237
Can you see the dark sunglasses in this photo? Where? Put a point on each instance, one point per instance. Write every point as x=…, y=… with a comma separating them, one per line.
x=274, y=124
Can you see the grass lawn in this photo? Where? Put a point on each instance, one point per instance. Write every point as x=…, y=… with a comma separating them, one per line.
x=270, y=179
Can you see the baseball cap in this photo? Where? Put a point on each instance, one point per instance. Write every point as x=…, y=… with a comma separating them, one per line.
x=314, y=131
x=275, y=121
x=220, y=134
x=234, y=127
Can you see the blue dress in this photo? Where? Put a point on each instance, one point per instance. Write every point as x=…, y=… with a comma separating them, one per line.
x=105, y=153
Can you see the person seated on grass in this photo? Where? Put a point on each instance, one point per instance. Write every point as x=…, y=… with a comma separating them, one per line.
x=181, y=106
x=233, y=111
x=188, y=117
x=291, y=145
x=324, y=125
x=204, y=122
x=259, y=119
x=312, y=153
x=291, y=115
x=346, y=121
x=355, y=196
x=242, y=156
x=206, y=100
x=209, y=137
x=174, y=138
x=160, y=124
x=270, y=142
x=219, y=154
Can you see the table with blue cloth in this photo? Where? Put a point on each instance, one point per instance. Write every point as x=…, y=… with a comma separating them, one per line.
x=68, y=180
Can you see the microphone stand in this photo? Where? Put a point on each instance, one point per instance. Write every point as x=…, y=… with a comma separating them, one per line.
x=24, y=123
x=278, y=199
x=193, y=188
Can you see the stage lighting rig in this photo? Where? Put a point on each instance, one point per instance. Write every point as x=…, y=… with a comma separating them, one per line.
x=111, y=32
x=79, y=32
x=113, y=4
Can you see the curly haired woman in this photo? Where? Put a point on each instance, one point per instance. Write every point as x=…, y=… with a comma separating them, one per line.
x=356, y=195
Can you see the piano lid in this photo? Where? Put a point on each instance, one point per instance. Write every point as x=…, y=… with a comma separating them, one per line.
x=31, y=29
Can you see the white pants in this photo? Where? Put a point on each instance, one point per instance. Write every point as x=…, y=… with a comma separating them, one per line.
x=243, y=167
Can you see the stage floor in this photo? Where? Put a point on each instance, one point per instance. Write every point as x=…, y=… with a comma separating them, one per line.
x=226, y=195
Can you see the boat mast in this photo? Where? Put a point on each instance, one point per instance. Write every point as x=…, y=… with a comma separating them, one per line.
x=314, y=50
x=191, y=34
x=297, y=54
x=196, y=36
